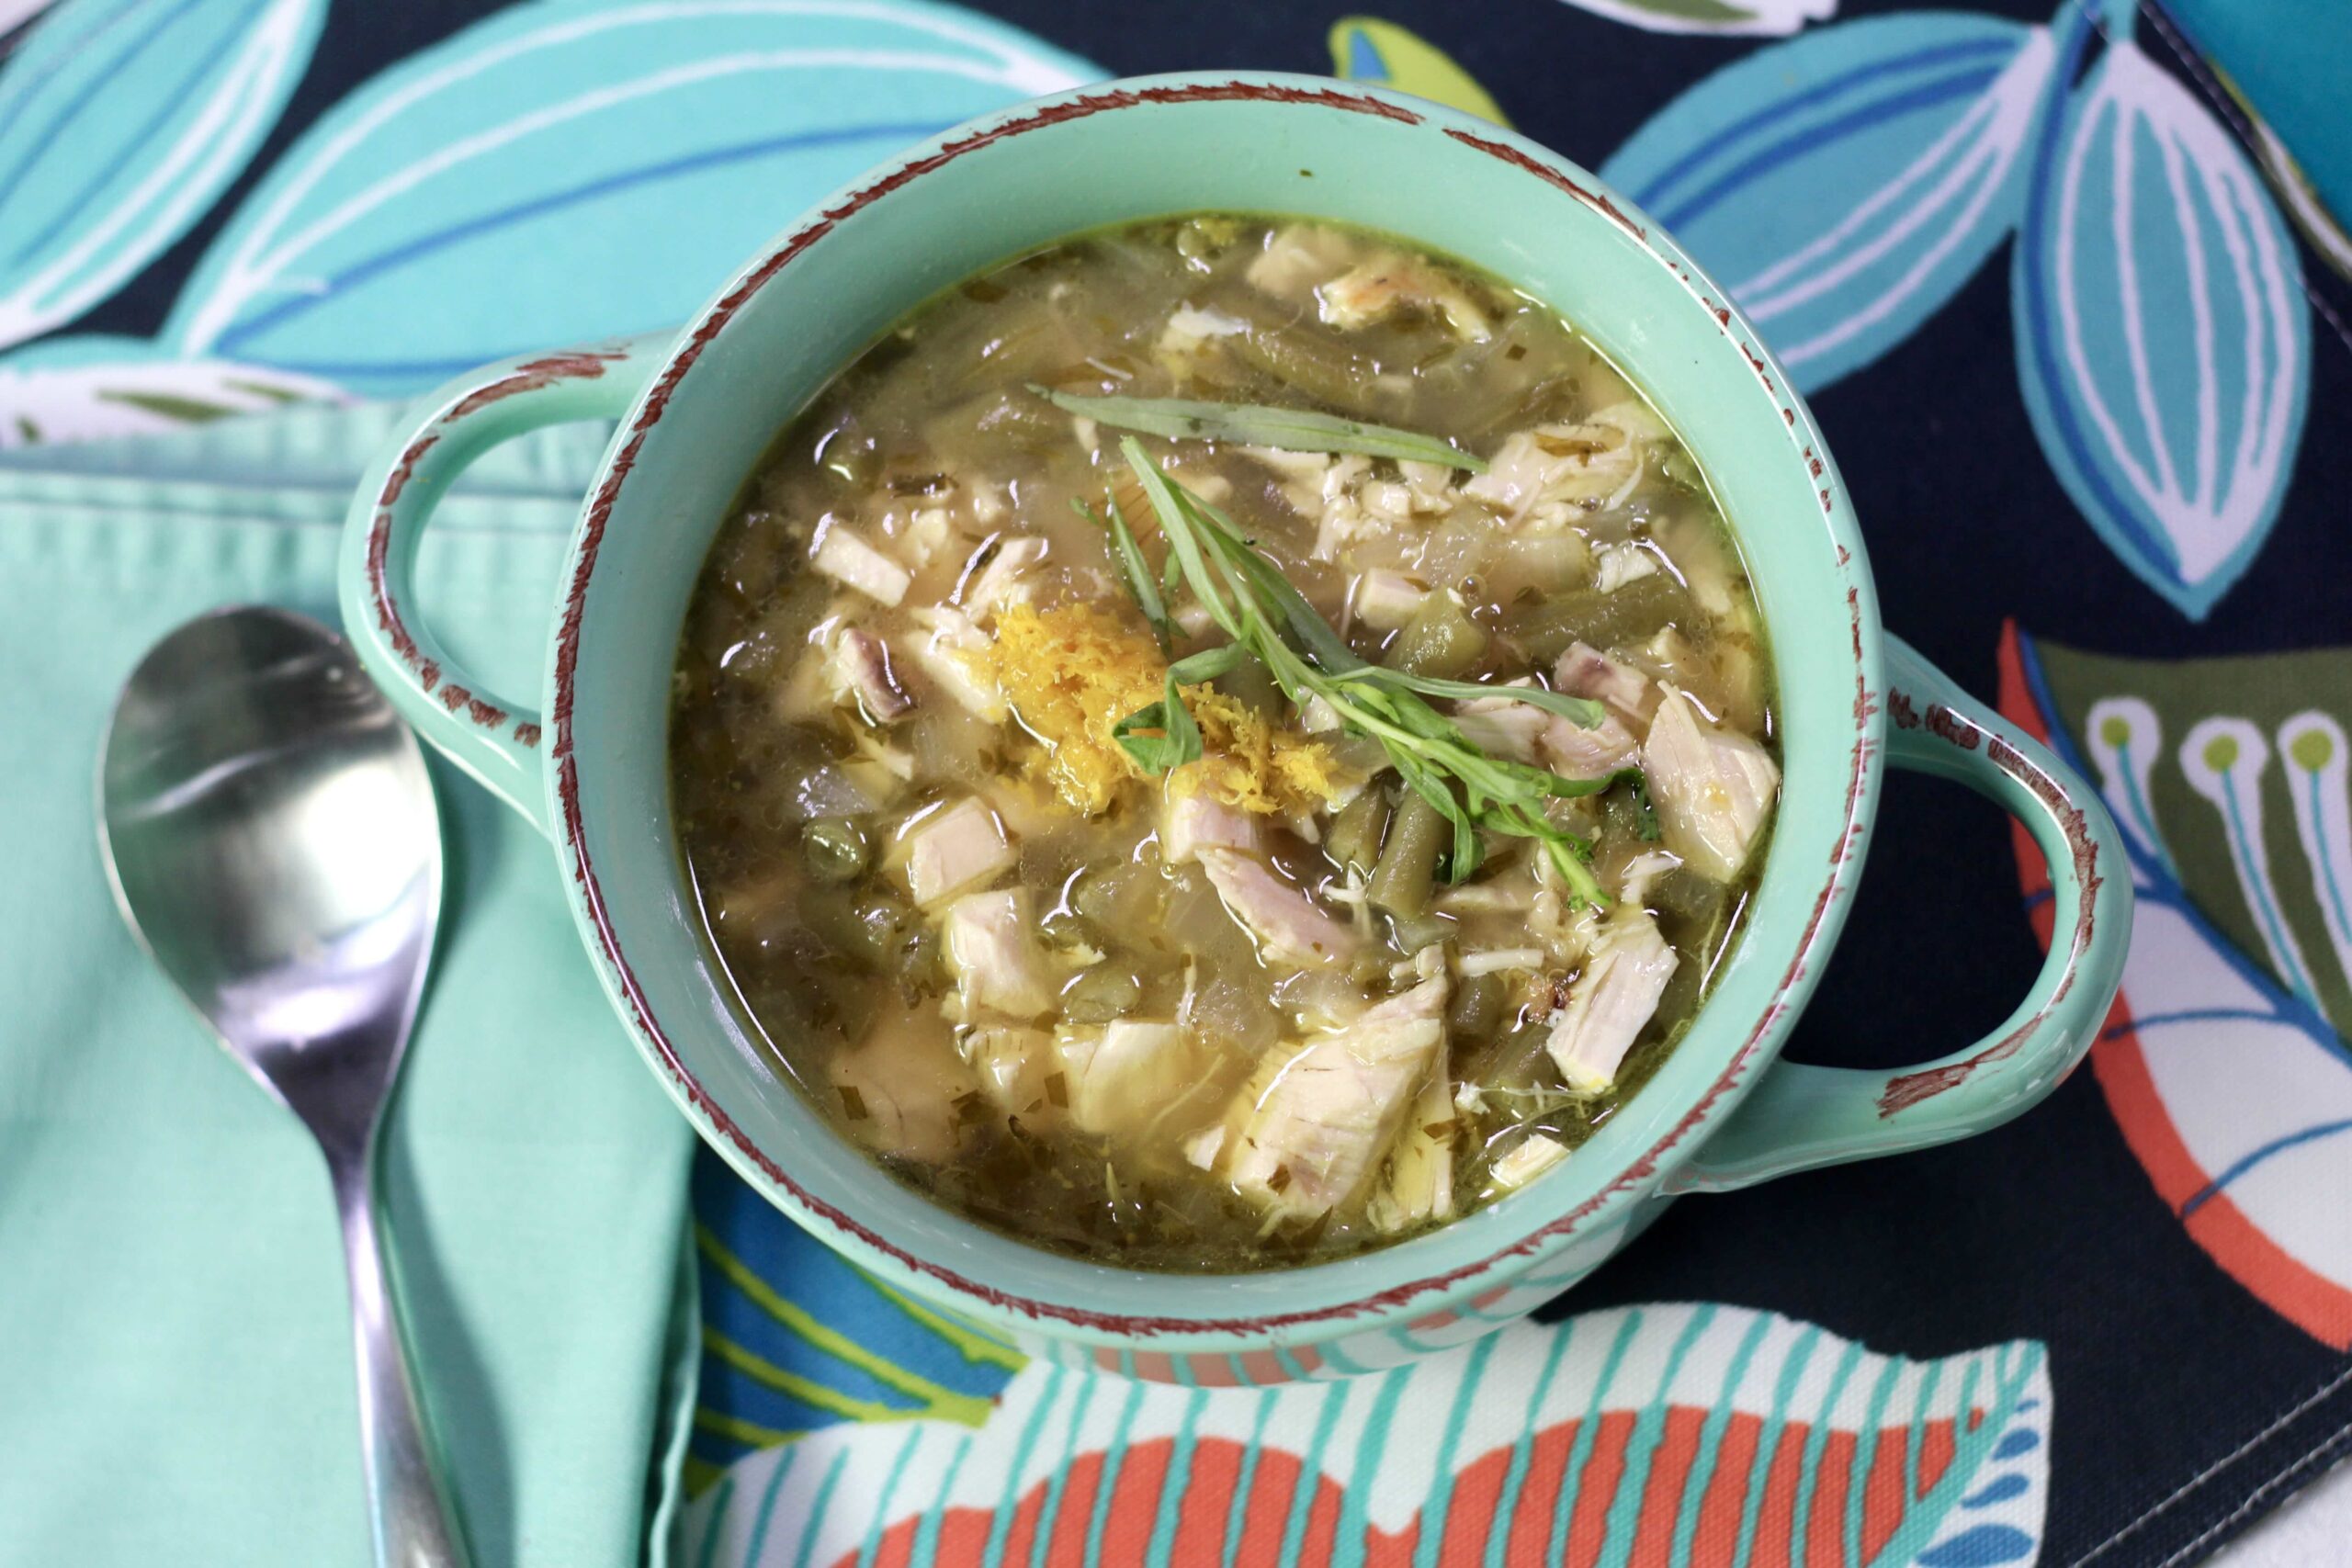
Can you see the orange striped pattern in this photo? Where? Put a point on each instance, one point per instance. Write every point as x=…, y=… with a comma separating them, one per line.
x=1471, y=1515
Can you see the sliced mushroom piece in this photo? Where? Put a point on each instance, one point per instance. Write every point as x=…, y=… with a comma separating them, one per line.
x=863, y=662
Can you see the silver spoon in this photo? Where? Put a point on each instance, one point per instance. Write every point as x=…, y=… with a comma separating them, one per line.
x=270, y=832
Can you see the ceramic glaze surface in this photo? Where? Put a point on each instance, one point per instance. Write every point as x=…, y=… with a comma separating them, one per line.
x=697, y=411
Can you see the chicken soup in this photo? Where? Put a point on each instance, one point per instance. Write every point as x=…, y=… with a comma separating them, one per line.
x=1222, y=744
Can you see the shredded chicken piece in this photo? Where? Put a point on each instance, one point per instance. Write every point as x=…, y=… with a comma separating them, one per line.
x=1290, y=927
x=1011, y=1062
x=1194, y=822
x=1001, y=970
x=900, y=1088
x=953, y=850
x=1713, y=788
x=1190, y=338
x=1505, y=726
x=1002, y=580
x=1526, y=1160
x=1624, y=976
x=1391, y=282
x=1297, y=258
x=1573, y=751
x=1586, y=671
x=1621, y=564
x=1421, y=1168
x=1314, y=1122
x=943, y=647
x=1431, y=484
x=1385, y=600
x=1324, y=490
x=925, y=535
x=845, y=557
x=1124, y=1074
x=1633, y=881
x=1501, y=960
x=1548, y=477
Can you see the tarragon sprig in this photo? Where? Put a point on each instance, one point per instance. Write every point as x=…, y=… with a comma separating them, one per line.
x=1268, y=619
x=1262, y=424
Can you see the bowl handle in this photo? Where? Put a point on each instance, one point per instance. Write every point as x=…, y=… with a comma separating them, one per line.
x=1800, y=1116
x=494, y=737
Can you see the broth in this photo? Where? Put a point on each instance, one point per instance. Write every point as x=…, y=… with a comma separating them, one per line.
x=1243, y=1010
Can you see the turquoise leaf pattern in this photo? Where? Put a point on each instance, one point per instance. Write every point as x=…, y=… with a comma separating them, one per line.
x=567, y=170
x=2162, y=337
x=1844, y=185
x=1618, y=1435
x=120, y=123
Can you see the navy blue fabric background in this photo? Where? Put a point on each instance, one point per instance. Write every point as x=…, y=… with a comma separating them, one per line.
x=2047, y=1229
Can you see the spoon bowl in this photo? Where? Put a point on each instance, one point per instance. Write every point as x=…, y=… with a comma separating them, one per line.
x=270, y=831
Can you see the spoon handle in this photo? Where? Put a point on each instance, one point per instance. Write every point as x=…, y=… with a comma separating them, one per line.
x=412, y=1521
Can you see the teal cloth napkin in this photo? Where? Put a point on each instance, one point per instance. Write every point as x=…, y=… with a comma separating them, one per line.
x=175, y=1357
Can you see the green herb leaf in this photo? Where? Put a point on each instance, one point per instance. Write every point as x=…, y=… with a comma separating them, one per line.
x=1645, y=808
x=1136, y=570
x=1270, y=620
x=1161, y=738
x=1207, y=665
x=1583, y=712
x=1257, y=424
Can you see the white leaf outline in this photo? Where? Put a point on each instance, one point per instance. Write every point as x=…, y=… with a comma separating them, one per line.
x=2133, y=94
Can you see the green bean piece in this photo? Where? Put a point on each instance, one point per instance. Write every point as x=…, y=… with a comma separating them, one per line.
x=1477, y=1007
x=1405, y=873
x=1421, y=931
x=1631, y=615
x=1300, y=357
x=1353, y=843
x=1252, y=685
x=1440, y=639
x=921, y=964
x=1065, y=927
x=866, y=931
x=835, y=848
x=1101, y=993
x=1688, y=896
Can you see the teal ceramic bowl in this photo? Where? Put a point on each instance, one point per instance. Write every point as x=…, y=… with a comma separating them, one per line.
x=587, y=762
